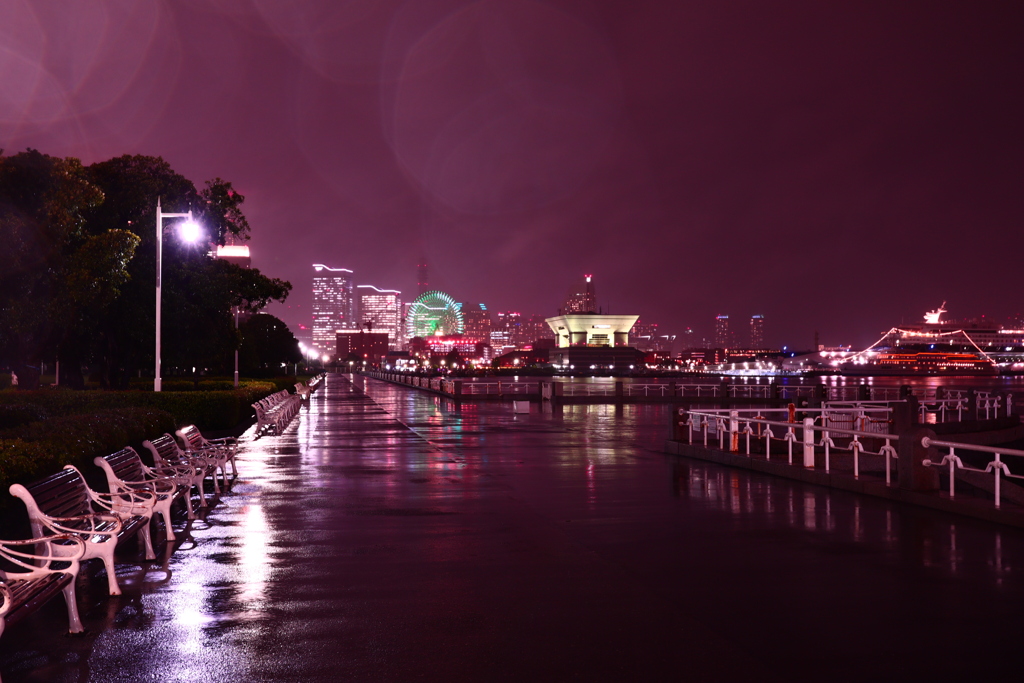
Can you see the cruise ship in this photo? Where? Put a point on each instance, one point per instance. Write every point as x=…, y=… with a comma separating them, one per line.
x=937, y=346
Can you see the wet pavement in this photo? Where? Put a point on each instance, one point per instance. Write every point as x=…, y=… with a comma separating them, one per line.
x=392, y=535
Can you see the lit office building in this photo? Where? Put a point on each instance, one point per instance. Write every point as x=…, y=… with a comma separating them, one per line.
x=380, y=310
x=582, y=297
x=757, y=331
x=723, y=338
x=333, y=306
x=234, y=253
x=536, y=328
x=477, y=322
x=511, y=323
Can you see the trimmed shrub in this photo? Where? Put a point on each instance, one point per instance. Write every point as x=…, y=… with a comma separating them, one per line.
x=73, y=427
x=214, y=410
x=45, y=447
x=16, y=415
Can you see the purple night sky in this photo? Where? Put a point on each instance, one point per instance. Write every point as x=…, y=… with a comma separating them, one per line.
x=837, y=167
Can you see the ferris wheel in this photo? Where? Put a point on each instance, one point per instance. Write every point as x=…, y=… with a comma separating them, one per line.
x=434, y=313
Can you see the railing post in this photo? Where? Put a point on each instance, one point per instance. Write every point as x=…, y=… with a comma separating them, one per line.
x=808, y=442
x=913, y=475
x=734, y=431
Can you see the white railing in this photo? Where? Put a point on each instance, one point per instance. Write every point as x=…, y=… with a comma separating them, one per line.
x=793, y=392
x=732, y=424
x=942, y=410
x=634, y=389
x=997, y=467
x=497, y=388
x=699, y=390
x=588, y=389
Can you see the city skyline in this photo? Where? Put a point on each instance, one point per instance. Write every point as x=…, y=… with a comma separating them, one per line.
x=698, y=158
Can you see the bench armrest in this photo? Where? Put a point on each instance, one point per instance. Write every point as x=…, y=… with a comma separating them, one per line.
x=156, y=486
x=115, y=502
x=64, y=548
x=56, y=524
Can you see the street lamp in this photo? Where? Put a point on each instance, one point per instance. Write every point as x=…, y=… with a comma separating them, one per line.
x=190, y=232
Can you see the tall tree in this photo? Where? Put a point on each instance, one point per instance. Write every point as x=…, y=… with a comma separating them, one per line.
x=198, y=291
x=56, y=274
x=267, y=344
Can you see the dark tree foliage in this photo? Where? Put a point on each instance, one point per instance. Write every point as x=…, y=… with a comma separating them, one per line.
x=57, y=273
x=79, y=283
x=266, y=344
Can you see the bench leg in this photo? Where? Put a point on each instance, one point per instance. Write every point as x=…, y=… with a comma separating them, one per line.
x=74, y=622
x=146, y=539
x=108, y=562
x=165, y=510
x=234, y=467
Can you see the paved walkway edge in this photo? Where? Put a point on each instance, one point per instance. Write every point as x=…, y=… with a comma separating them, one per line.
x=967, y=505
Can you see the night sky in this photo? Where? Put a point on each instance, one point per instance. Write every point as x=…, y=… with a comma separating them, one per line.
x=837, y=167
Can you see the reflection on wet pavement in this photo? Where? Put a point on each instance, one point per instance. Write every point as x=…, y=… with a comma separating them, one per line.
x=392, y=535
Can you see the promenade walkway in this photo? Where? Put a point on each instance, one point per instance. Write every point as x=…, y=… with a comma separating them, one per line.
x=389, y=535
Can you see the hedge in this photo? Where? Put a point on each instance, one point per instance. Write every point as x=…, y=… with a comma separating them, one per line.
x=210, y=410
x=45, y=429
x=45, y=447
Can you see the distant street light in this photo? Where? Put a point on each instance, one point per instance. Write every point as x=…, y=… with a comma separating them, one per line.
x=190, y=232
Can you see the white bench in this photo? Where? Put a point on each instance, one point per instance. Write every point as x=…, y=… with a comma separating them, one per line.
x=219, y=452
x=44, y=567
x=167, y=456
x=275, y=411
x=126, y=472
x=62, y=503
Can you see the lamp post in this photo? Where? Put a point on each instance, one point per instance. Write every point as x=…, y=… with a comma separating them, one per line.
x=190, y=234
x=236, y=347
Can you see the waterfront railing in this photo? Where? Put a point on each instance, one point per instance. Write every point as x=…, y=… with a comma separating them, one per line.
x=859, y=430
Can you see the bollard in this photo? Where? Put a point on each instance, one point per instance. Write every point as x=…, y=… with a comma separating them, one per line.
x=905, y=415
x=808, y=442
x=913, y=475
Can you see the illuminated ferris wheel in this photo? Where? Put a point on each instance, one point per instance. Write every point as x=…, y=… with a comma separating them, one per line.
x=432, y=314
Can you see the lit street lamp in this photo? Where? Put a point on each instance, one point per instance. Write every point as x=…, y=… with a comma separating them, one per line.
x=190, y=232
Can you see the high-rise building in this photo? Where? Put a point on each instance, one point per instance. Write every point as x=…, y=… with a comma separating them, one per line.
x=333, y=306
x=723, y=339
x=757, y=331
x=511, y=323
x=477, y=322
x=380, y=310
x=581, y=297
x=535, y=328
x=648, y=337
x=422, y=284
x=235, y=253
x=686, y=339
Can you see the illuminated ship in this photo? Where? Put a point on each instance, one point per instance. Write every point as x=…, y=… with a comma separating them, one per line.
x=937, y=347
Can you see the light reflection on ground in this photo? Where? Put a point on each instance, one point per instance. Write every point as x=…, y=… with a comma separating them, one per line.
x=396, y=535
